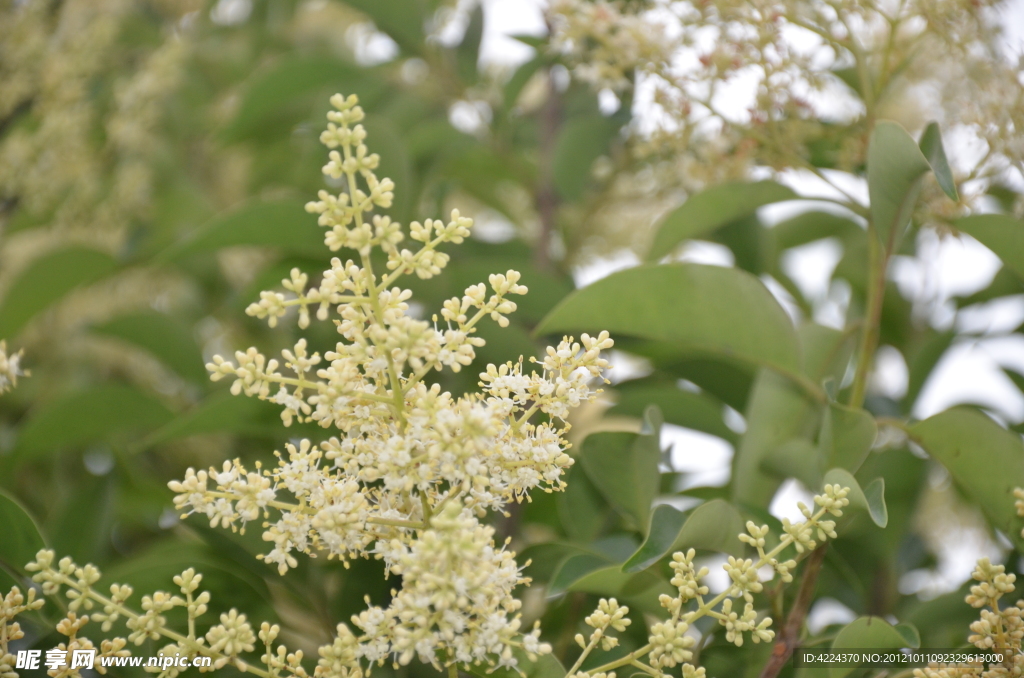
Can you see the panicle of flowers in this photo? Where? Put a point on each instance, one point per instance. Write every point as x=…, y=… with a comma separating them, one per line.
x=11, y=605
x=671, y=641
x=411, y=469
x=998, y=627
x=226, y=643
x=453, y=571
x=10, y=368
x=686, y=53
x=608, y=44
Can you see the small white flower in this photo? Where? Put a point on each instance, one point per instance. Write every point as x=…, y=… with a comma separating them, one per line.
x=10, y=368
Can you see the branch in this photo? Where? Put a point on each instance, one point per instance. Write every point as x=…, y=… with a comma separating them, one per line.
x=545, y=196
x=789, y=638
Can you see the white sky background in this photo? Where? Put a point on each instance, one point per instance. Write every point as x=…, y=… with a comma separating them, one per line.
x=970, y=371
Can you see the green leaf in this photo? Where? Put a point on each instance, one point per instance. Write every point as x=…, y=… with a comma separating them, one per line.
x=875, y=507
x=714, y=525
x=922, y=360
x=624, y=468
x=910, y=634
x=985, y=459
x=797, y=458
x=710, y=209
x=706, y=492
x=869, y=632
x=941, y=620
x=585, y=573
x=22, y=538
x=535, y=41
x=546, y=666
x=47, y=280
x=895, y=166
x=697, y=411
x=219, y=413
x=612, y=581
x=1004, y=283
x=582, y=510
x=581, y=141
x=514, y=86
x=846, y=437
x=573, y=569
x=81, y=525
x=479, y=172
x=96, y=413
x=281, y=223
x=844, y=440
x=154, y=568
x=851, y=78
x=289, y=85
x=931, y=146
x=1005, y=196
x=728, y=380
x=163, y=337
x=748, y=240
x=1002, y=234
x=811, y=226
x=874, y=494
x=695, y=307
x=9, y=581
x=826, y=352
x=385, y=138
x=401, y=19
x=468, y=51
x=1016, y=377
x=777, y=413
x=546, y=558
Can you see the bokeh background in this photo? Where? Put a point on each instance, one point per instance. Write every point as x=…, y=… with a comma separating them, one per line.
x=155, y=156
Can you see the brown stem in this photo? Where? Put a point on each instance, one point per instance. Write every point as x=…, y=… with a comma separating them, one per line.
x=878, y=605
x=545, y=196
x=789, y=636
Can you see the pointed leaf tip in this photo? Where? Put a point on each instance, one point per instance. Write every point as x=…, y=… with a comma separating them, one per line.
x=714, y=525
x=715, y=207
x=931, y=146
x=895, y=165
x=874, y=493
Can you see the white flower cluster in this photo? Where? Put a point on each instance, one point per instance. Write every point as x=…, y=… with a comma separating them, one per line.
x=452, y=573
x=800, y=59
x=607, y=44
x=10, y=368
x=453, y=608
x=412, y=469
x=670, y=643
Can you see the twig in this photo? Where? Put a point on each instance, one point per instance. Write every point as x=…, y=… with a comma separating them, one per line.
x=790, y=635
x=545, y=195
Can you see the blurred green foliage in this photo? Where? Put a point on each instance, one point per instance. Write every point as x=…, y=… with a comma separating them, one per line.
x=116, y=328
